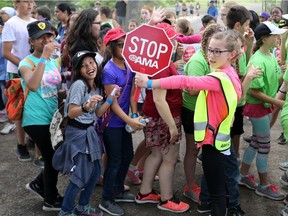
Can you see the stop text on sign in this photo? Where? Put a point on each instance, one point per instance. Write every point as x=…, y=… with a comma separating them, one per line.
x=150, y=49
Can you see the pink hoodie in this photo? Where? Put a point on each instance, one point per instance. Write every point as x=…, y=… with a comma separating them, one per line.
x=196, y=38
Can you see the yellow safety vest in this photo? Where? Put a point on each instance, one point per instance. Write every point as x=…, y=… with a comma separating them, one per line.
x=201, y=122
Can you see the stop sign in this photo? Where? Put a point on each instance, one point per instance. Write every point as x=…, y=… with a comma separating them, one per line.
x=147, y=49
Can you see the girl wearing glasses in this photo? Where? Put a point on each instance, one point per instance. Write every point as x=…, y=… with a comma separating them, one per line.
x=223, y=49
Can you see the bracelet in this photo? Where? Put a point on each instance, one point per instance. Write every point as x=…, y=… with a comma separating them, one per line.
x=110, y=101
x=83, y=108
x=149, y=84
x=43, y=60
x=134, y=115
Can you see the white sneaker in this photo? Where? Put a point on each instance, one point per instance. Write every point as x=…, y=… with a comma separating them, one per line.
x=8, y=127
x=3, y=111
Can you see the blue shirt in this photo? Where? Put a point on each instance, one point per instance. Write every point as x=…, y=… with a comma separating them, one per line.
x=3, y=63
x=213, y=11
x=112, y=74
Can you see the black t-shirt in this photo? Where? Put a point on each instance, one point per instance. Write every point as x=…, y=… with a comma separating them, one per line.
x=121, y=8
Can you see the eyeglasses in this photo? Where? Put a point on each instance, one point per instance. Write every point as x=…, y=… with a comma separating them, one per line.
x=120, y=44
x=217, y=53
x=222, y=14
x=97, y=23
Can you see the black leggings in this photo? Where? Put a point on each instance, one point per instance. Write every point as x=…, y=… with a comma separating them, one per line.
x=213, y=166
x=47, y=179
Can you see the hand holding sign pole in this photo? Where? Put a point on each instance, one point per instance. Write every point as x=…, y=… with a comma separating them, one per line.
x=148, y=50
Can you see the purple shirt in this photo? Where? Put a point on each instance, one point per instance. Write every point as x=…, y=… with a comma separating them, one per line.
x=112, y=74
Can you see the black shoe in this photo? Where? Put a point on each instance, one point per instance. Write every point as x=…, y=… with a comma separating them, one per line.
x=53, y=206
x=34, y=188
x=235, y=211
x=247, y=139
x=204, y=208
x=22, y=153
x=39, y=162
x=281, y=139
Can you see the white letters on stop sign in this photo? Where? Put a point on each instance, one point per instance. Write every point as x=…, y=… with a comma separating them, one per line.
x=152, y=48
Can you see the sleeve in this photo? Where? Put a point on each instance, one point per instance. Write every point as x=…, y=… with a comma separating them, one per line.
x=258, y=83
x=285, y=76
x=195, y=68
x=76, y=93
x=189, y=39
x=8, y=34
x=108, y=77
x=196, y=83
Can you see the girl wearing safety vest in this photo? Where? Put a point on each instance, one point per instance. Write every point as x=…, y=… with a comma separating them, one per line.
x=214, y=111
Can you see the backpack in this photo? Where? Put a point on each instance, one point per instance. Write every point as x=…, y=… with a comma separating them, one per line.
x=16, y=97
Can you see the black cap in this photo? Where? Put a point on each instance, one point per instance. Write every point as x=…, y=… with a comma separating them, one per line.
x=77, y=58
x=267, y=28
x=38, y=28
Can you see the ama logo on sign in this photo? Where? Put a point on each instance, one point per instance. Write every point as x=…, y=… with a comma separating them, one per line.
x=148, y=49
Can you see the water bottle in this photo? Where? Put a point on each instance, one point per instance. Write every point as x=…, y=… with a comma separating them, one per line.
x=129, y=129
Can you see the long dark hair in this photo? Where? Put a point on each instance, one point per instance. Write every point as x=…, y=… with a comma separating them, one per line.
x=80, y=36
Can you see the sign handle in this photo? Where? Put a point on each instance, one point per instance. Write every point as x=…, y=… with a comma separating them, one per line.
x=138, y=89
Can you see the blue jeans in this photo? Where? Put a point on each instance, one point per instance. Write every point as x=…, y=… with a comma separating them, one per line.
x=232, y=177
x=3, y=97
x=72, y=191
x=119, y=150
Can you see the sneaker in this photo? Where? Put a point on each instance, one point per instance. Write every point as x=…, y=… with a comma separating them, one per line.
x=248, y=181
x=133, y=176
x=34, y=188
x=124, y=197
x=283, y=166
x=8, y=128
x=281, y=139
x=111, y=208
x=286, y=200
x=39, y=162
x=284, y=211
x=22, y=153
x=54, y=206
x=284, y=179
x=88, y=211
x=192, y=193
x=247, y=139
x=270, y=191
x=173, y=205
x=235, y=211
x=3, y=118
x=204, y=207
x=152, y=197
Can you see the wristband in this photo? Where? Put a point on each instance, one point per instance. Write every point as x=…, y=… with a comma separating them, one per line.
x=149, y=84
x=134, y=115
x=83, y=108
x=43, y=60
x=108, y=100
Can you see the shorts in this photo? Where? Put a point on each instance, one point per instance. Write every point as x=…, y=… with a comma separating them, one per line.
x=187, y=117
x=157, y=132
x=237, y=128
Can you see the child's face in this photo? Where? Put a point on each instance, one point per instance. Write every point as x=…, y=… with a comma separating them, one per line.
x=244, y=28
x=88, y=68
x=131, y=26
x=276, y=15
x=218, y=55
x=145, y=14
x=273, y=41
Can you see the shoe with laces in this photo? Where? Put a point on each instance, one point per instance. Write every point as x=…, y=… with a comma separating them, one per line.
x=133, y=176
x=270, y=191
x=111, y=208
x=235, y=211
x=152, y=197
x=173, y=205
x=39, y=162
x=204, y=207
x=8, y=128
x=34, y=188
x=284, y=211
x=53, y=206
x=248, y=181
x=124, y=197
x=88, y=211
x=283, y=166
x=284, y=179
x=192, y=193
x=22, y=153
x=281, y=139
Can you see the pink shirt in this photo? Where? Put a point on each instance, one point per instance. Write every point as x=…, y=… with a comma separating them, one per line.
x=196, y=38
x=217, y=110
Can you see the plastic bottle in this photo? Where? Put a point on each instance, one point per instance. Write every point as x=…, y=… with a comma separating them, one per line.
x=129, y=129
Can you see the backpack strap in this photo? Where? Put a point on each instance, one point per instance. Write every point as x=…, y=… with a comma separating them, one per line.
x=33, y=68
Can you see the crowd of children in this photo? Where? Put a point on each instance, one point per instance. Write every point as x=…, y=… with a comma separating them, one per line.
x=234, y=70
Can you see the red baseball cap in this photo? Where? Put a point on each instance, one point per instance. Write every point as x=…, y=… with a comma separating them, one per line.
x=113, y=34
x=171, y=33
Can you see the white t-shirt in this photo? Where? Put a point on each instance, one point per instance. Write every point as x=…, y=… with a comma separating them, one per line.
x=15, y=30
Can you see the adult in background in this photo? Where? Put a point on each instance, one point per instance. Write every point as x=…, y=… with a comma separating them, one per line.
x=15, y=47
x=62, y=13
x=121, y=12
x=212, y=10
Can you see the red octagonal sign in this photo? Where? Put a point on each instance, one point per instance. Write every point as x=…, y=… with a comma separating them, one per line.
x=147, y=49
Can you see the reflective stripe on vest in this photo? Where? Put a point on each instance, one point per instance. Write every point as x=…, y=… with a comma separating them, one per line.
x=222, y=137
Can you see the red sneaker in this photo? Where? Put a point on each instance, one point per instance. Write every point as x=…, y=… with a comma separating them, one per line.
x=173, y=205
x=133, y=176
x=192, y=193
x=152, y=197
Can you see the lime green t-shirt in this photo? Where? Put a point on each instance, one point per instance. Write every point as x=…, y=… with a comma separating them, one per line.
x=242, y=72
x=196, y=66
x=268, y=83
